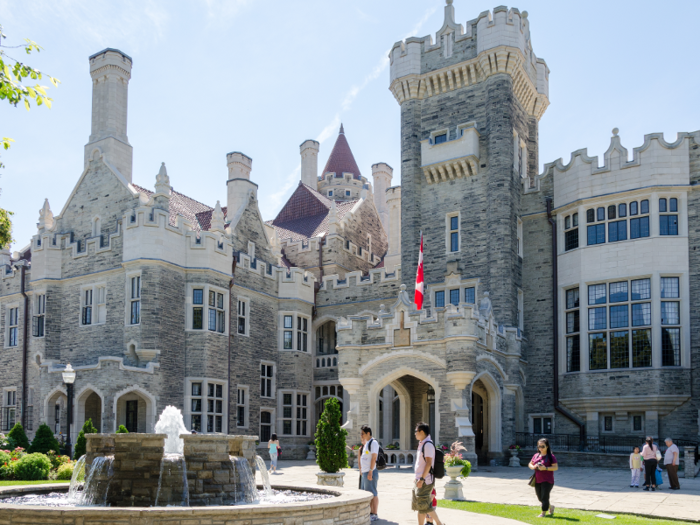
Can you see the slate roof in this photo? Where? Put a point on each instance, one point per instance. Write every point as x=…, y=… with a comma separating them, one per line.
x=194, y=211
x=305, y=215
x=341, y=159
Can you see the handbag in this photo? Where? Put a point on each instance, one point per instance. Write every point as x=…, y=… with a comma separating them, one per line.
x=659, y=478
x=532, y=481
x=658, y=455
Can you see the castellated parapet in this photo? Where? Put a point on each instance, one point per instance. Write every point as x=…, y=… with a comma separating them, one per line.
x=495, y=42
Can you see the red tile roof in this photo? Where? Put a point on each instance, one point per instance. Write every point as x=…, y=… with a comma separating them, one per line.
x=341, y=159
x=204, y=217
x=189, y=208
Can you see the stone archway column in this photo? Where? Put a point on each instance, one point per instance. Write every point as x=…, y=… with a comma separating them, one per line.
x=351, y=386
x=461, y=407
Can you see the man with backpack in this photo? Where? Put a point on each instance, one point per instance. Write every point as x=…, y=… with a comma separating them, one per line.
x=368, y=468
x=429, y=465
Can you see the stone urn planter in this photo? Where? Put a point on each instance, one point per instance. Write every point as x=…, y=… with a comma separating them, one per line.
x=514, y=459
x=453, y=488
x=312, y=452
x=330, y=480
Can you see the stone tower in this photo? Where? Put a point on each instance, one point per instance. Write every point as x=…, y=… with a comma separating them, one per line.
x=470, y=106
x=110, y=70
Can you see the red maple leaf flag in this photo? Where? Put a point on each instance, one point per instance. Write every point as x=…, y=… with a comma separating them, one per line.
x=419, y=277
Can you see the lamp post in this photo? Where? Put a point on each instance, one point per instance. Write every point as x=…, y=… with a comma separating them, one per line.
x=69, y=379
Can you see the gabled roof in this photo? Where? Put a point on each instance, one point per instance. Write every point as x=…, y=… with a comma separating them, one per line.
x=341, y=159
x=204, y=217
x=305, y=215
x=189, y=208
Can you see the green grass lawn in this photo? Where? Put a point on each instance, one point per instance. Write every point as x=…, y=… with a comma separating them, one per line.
x=529, y=514
x=8, y=483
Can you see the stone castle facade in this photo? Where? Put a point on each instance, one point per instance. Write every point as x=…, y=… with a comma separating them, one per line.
x=556, y=303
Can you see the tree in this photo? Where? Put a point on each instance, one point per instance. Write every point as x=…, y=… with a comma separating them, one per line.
x=330, y=439
x=122, y=430
x=81, y=442
x=14, y=88
x=17, y=436
x=44, y=441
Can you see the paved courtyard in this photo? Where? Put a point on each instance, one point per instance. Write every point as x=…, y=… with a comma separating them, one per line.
x=589, y=489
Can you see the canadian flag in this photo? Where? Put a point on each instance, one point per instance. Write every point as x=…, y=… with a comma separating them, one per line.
x=419, y=277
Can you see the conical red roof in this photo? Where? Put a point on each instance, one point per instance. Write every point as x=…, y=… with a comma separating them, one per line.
x=341, y=159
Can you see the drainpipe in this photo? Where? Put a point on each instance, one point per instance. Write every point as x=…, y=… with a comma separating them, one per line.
x=230, y=336
x=22, y=289
x=555, y=331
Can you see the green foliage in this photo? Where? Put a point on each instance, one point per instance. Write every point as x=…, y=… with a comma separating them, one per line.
x=81, y=442
x=7, y=468
x=331, y=455
x=5, y=227
x=33, y=466
x=44, y=441
x=56, y=459
x=122, y=430
x=65, y=471
x=17, y=437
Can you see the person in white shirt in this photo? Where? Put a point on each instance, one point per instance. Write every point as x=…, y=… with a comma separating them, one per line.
x=422, y=497
x=368, y=468
x=671, y=461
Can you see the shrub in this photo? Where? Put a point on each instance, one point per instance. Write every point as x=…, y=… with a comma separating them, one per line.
x=122, y=430
x=32, y=467
x=17, y=437
x=7, y=469
x=44, y=441
x=65, y=471
x=56, y=459
x=331, y=455
x=81, y=442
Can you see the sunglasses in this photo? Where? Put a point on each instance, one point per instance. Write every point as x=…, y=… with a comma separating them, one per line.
x=541, y=446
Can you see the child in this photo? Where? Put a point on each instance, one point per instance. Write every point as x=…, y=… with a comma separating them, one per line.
x=636, y=467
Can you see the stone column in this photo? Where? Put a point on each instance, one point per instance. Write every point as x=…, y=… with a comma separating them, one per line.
x=689, y=462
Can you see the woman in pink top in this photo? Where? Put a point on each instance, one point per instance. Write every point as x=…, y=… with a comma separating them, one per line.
x=649, y=453
x=544, y=464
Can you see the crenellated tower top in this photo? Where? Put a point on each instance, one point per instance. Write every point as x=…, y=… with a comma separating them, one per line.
x=495, y=42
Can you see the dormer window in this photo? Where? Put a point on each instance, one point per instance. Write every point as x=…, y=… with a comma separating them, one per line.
x=347, y=193
x=330, y=193
x=439, y=139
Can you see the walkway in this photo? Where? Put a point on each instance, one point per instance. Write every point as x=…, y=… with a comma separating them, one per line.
x=579, y=488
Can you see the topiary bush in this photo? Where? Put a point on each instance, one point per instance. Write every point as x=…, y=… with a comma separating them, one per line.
x=81, y=442
x=330, y=439
x=17, y=437
x=44, y=441
x=65, y=471
x=122, y=430
x=32, y=467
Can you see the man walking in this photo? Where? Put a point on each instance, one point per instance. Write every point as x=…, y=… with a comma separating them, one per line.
x=422, y=498
x=671, y=461
x=368, y=468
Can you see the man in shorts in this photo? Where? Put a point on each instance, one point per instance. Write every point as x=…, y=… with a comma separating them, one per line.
x=368, y=468
x=422, y=497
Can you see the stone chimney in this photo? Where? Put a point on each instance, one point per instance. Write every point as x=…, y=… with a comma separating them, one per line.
x=239, y=185
x=110, y=70
x=309, y=163
x=393, y=253
x=382, y=174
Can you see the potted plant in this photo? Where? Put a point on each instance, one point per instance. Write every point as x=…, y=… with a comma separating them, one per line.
x=330, y=445
x=514, y=459
x=456, y=466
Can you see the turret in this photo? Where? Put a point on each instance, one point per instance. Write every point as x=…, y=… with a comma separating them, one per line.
x=110, y=70
x=239, y=184
x=393, y=253
x=309, y=163
x=382, y=174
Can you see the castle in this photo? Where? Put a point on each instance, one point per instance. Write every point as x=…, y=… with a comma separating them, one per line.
x=556, y=303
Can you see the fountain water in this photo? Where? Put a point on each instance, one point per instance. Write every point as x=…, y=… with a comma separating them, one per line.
x=172, y=424
x=172, y=482
x=97, y=482
x=77, y=477
x=264, y=477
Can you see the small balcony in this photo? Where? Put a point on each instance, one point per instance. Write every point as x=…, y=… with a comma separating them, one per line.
x=451, y=159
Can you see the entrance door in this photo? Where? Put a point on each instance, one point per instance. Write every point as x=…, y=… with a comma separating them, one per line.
x=478, y=426
x=132, y=416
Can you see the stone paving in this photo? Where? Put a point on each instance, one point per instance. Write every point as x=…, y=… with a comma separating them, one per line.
x=581, y=488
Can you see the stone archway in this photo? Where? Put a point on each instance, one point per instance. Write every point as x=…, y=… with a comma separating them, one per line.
x=134, y=408
x=55, y=410
x=486, y=415
x=89, y=404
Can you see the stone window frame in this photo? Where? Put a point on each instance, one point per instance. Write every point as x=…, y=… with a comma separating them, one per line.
x=330, y=193
x=245, y=316
x=521, y=310
x=205, y=306
x=8, y=327
x=449, y=231
x=681, y=212
x=437, y=133
x=98, y=305
x=245, y=405
x=6, y=406
x=39, y=313
x=519, y=234
x=570, y=225
x=462, y=286
x=136, y=274
x=531, y=422
x=273, y=422
x=294, y=329
x=187, y=412
x=603, y=421
x=641, y=416
x=295, y=406
x=273, y=382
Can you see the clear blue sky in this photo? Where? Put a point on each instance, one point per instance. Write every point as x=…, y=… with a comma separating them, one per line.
x=214, y=76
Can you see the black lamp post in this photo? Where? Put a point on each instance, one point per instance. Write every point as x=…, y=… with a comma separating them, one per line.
x=69, y=379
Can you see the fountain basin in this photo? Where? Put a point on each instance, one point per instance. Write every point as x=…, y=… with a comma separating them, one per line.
x=347, y=507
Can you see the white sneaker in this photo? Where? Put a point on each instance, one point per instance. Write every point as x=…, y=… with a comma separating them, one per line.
x=373, y=517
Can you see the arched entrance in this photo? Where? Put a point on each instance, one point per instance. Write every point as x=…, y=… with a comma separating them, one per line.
x=55, y=411
x=323, y=394
x=89, y=406
x=135, y=409
x=486, y=417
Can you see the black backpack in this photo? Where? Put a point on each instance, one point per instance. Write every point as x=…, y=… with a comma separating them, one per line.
x=437, y=469
x=381, y=457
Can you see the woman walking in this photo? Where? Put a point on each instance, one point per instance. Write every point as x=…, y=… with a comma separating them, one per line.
x=273, y=446
x=651, y=454
x=544, y=464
